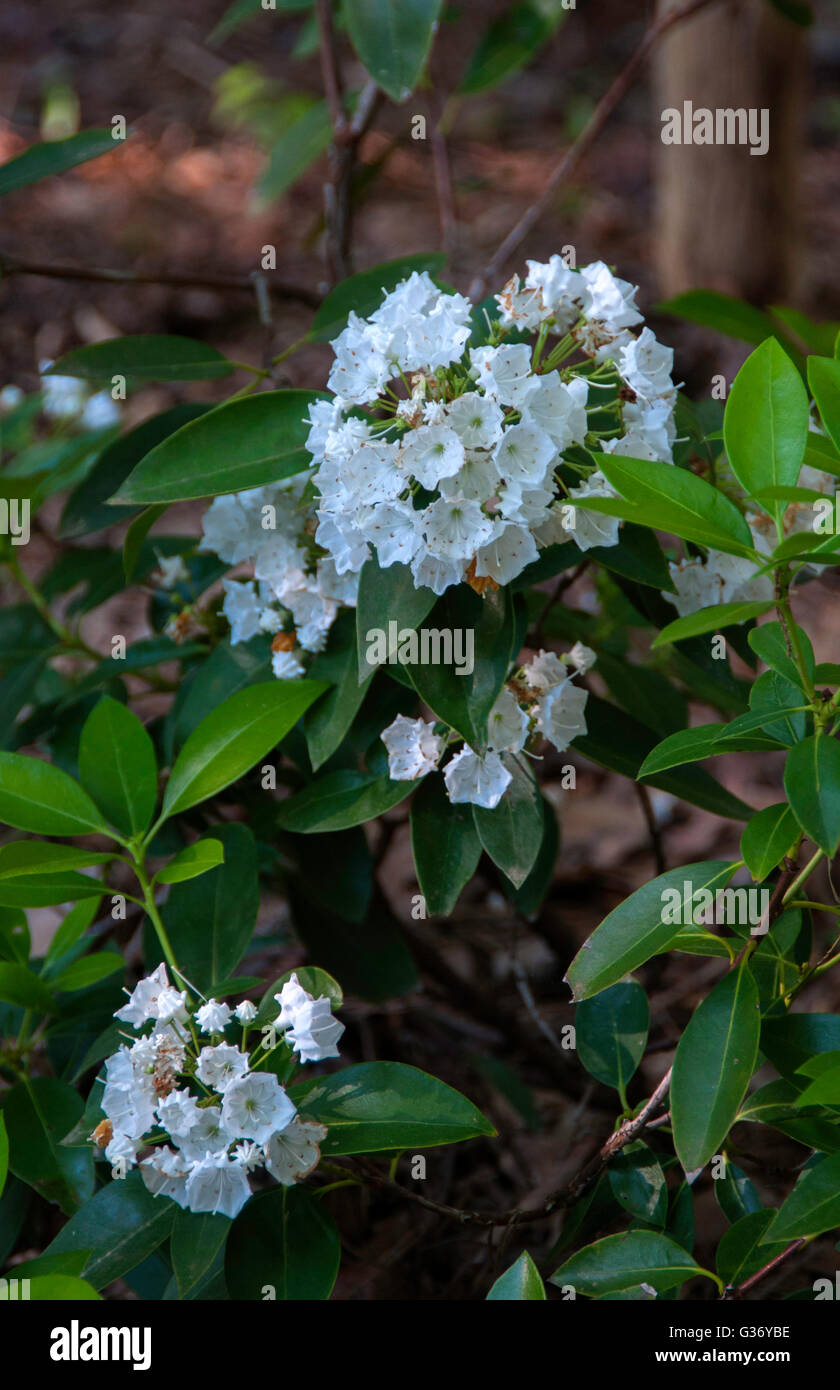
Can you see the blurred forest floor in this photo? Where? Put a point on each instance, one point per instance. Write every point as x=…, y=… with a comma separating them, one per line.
x=179, y=196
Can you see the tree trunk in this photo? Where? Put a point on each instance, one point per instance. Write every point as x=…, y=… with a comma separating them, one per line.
x=727, y=219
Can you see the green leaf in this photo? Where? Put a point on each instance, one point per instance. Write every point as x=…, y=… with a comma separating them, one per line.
x=363, y=293
x=766, y=421
x=788, y=1042
x=671, y=499
x=242, y=444
x=28, y=858
x=87, y=507
x=611, y=1032
x=38, y=1114
x=634, y=931
x=638, y=1184
x=509, y=43
x=723, y=312
x=48, y=890
x=192, y=861
x=714, y=1061
x=210, y=920
x=393, y=39
x=120, y=1226
x=445, y=846
x=233, y=737
x=623, y=1261
x=303, y=141
x=519, y=1283
x=512, y=833
x=38, y=797
x=824, y=380
x=739, y=1255
x=4, y=1153
x=285, y=1241
x=118, y=767
x=197, y=1238
x=812, y=786
x=73, y=927
x=768, y=643
x=388, y=603
x=142, y=358
x=54, y=157
x=812, y=1207
x=20, y=986
x=327, y=722
x=339, y=800
x=703, y=741
x=767, y=838
x=462, y=698
x=735, y=1194
x=135, y=537
x=386, y=1105
x=709, y=620
x=81, y=974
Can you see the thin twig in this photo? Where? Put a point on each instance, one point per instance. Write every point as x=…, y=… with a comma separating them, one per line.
x=584, y=142
x=748, y=1284
x=12, y=265
x=654, y=831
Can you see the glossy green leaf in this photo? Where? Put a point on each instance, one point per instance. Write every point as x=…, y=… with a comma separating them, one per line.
x=364, y=292
x=638, y=1184
x=327, y=721
x=386, y=1105
x=611, y=1032
x=511, y=40
x=393, y=39
x=246, y=443
x=18, y=985
x=709, y=620
x=812, y=786
x=824, y=380
x=340, y=800
x=766, y=421
x=56, y=1288
x=210, y=920
x=723, y=312
x=672, y=499
x=511, y=834
x=735, y=1194
x=812, y=1207
x=445, y=846
x=28, y=858
x=73, y=926
x=623, y=1261
x=118, y=767
x=233, y=737
x=54, y=157
x=196, y=1241
x=739, y=1254
x=461, y=697
x=767, y=838
x=283, y=1245
x=142, y=358
x=89, y=970
x=714, y=1062
x=518, y=1284
x=389, y=603
x=192, y=861
x=121, y=1225
x=634, y=931
x=36, y=796
x=38, y=1115
x=768, y=642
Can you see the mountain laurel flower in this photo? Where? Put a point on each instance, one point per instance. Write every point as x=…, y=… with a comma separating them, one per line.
x=256, y=1106
x=221, y=1065
x=293, y=1153
x=481, y=781
x=217, y=1184
x=507, y=724
x=213, y=1017
x=314, y=1033
x=413, y=748
x=560, y=714
x=245, y=1012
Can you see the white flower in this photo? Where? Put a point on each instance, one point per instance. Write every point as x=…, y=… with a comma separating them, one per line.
x=291, y=998
x=507, y=724
x=172, y=1006
x=242, y=608
x=525, y=454
x=246, y=1012
x=178, y=1113
x=413, y=748
x=560, y=714
x=217, y=1184
x=165, y=1174
x=213, y=1017
x=122, y=1149
x=646, y=366
x=130, y=1110
x=482, y=781
x=228, y=530
x=588, y=528
x=63, y=397
x=545, y=671
x=286, y=666
x=314, y=1033
x=171, y=571
x=293, y=1153
x=511, y=548
x=393, y=527
x=611, y=299
x=455, y=528
x=219, y=1066
x=209, y=1134
x=582, y=658
x=559, y=409
x=10, y=398
x=562, y=289
x=248, y=1155
x=520, y=307
x=722, y=579
x=374, y=473
x=476, y=419
x=477, y=481
x=256, y=1106
x=100, y=412
x=142, y=1002
x=430, y=453
x=433, y=572
x=505, y=372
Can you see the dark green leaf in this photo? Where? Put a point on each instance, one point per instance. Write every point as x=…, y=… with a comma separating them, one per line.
x=120, y=1226
x=393, y=39
x=611, y=1032
x=519, y=1283
x=812, y=786
x=117, y=766
x=283, y=1245
x=54, y=157
x=445, y=845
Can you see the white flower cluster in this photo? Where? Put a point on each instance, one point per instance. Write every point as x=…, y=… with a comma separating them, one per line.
x=221, y=1113
x=444, y=457
x=69, y=398
x=539, y=701
x=296, y=591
